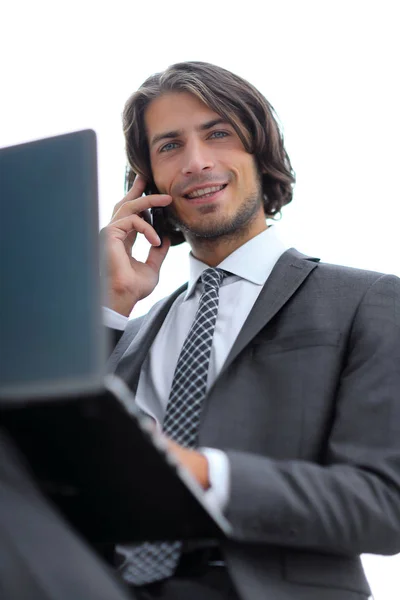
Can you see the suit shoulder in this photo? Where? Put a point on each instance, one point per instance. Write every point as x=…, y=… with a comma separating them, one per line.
x=363, y=286
x=330, y=276
x=355, y=276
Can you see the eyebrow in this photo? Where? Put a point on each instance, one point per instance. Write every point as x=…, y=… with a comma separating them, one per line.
x=178, y=132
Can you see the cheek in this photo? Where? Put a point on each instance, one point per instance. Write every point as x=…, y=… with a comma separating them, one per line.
x=162, y=179
x=250, y=176
x=160, y=182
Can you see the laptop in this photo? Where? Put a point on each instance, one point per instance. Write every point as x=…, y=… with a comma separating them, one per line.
x=90, y=449
x=51, y=341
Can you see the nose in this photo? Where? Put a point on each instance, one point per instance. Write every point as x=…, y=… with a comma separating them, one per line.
x=196, y=158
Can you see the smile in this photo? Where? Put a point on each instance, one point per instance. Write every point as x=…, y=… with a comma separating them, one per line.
x=205, y=192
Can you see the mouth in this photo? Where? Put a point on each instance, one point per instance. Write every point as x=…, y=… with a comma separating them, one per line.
x=205, y=194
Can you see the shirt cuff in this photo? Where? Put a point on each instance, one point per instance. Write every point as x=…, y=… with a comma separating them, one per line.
x=114, y=319
x=219, y=476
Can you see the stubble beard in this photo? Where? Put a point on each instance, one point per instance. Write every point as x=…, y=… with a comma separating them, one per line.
x=216, y=229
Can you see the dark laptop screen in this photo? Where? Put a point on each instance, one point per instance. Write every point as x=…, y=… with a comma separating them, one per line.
x=51, y=337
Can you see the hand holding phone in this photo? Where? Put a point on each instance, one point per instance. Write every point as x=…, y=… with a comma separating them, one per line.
x=156, y=213
x=130, y=280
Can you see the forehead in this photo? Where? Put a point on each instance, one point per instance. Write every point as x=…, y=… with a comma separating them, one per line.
x=176, y=110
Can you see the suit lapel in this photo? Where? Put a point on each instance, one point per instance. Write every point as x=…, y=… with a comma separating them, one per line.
x=288, y=274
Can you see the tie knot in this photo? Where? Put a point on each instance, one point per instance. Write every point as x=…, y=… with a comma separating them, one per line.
x=212, y=277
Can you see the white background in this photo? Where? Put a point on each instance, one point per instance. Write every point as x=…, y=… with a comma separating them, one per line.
x=330, y=68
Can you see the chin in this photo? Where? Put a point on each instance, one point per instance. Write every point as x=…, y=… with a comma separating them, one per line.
x=219, y=228
x=214, y=223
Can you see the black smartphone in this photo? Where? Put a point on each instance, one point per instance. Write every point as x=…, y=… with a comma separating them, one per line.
x=157, y=221
x=156, y=214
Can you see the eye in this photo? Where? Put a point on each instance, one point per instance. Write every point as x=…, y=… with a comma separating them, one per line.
x=219, y=134
x=168, y=147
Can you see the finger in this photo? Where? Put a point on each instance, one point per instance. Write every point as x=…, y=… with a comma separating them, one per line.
x=138, y=187
x=142, y=204
x=136, y=191
x=123, y=227
x=157, y=255
x=129, y=241
x=131, y=237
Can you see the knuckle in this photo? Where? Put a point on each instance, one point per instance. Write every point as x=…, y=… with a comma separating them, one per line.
x=119, y=204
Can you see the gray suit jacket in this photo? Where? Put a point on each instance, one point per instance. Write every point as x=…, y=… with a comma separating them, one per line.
x=307, y=408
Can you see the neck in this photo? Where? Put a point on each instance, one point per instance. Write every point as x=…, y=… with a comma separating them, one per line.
x=213, y=251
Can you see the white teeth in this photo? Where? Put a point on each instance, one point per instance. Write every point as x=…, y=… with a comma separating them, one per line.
x=205, y=191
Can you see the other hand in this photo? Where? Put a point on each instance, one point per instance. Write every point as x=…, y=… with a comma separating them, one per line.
x=195, y=462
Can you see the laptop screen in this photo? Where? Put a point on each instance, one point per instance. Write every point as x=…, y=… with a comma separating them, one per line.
x=52, y=342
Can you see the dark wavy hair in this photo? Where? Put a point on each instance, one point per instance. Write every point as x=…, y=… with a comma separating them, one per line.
x=234, y=99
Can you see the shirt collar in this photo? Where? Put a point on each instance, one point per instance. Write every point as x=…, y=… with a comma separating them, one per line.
x=253, y=261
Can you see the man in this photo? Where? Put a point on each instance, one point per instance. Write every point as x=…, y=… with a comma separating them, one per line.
x=275, y=377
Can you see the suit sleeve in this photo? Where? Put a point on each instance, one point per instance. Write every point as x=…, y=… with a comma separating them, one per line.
x=349, y=504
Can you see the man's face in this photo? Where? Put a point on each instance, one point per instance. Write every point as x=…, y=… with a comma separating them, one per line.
x=192, y=150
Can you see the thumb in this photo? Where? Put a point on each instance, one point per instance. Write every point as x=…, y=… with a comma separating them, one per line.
x=157, y=255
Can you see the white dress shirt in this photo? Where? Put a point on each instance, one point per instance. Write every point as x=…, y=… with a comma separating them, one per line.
x=250, y=265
